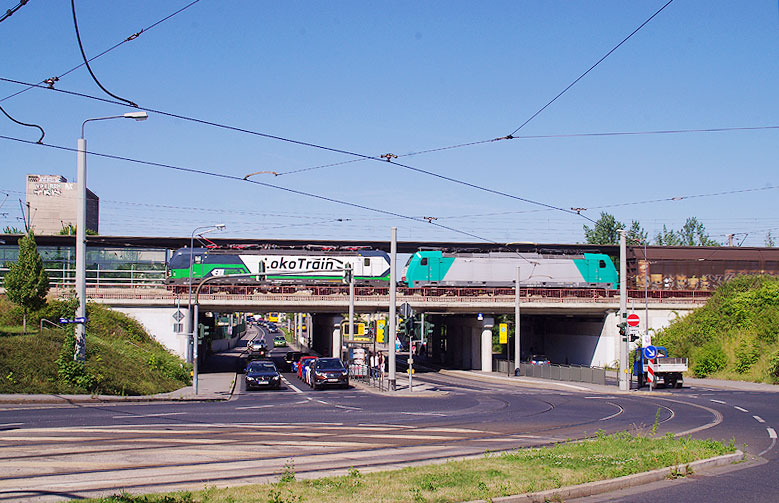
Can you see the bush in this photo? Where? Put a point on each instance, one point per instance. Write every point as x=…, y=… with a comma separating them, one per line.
x=709, y=359
x=746, y=356
x=773, y=367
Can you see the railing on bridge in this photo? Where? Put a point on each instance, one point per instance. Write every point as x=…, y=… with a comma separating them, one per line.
x=104, y=278
x=420, y=295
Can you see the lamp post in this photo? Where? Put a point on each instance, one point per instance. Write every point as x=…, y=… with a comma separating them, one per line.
x=81, y=229
x=192, y=319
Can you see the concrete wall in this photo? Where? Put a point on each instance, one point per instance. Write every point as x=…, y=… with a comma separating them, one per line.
x=158, y=322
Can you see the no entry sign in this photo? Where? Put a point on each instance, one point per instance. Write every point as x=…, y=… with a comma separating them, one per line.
x=633, y=320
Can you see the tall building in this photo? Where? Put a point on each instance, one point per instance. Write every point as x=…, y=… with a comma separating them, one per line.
x=52, y=204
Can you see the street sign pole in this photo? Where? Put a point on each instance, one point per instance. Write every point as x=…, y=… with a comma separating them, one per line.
x=623, y=345
x=392, y=300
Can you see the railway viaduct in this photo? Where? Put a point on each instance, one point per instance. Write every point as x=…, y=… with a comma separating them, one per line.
x=574, y=329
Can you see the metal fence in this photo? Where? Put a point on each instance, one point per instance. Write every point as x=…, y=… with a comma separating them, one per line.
x=573, y=373
x=109, y=278
x=372, y=377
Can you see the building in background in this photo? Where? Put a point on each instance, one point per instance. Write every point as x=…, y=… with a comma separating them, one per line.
x=52, y=205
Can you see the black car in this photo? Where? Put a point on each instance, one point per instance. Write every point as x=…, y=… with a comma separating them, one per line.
x=329, y=372
x=262, y=374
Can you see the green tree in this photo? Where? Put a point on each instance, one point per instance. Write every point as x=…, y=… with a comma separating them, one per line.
x=636, y=235
x=70, y=230
x=769, y=240
x=692, y=233
x=26, y=282
x=604, y=232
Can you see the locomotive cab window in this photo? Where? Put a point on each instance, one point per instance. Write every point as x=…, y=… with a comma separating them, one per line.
x=423, y=261
x=366, y=262
x=602, y=264
x=198, y=259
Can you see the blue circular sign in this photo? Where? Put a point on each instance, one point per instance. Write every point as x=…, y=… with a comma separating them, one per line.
x=650, y=352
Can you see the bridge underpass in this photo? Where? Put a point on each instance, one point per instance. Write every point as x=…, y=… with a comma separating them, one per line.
x=581, y=331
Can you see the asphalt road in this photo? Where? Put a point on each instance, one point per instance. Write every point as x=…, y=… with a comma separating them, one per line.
x=51, y=453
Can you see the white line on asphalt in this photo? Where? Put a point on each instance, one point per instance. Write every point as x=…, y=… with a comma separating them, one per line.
x=740, y=408
x=424, y=413
x=620, y=411
x=292, y=386
x=717, y=401
x=759, y=419
x=152, y=415
x=346, y=407
x=322, y=401
x=254, y=407
x=3, y=425
x=771, y=432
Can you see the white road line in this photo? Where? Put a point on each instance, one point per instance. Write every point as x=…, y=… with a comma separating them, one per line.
x=717, y=401
x=346, y=407
x=424, y=413
x=620, y=411
x=740, y=408
x=759, y=419
x=771, y=433
x=292, y=386
x=3, y=425
x=254, y=407
x=161, y=414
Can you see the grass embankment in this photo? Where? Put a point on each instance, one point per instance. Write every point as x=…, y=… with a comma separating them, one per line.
x=122, y=359
x=735, y=335
x=494, y=475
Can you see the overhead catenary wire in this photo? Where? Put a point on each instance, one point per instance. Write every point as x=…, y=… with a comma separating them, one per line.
x=86, y=60
x=10, y=12
x=257, y=182
x=317, y=146
x=130, y=38
x=580, y=77
x=43, y=133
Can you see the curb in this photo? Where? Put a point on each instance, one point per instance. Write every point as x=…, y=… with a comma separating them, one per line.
x=520, y=381
x=604, y=486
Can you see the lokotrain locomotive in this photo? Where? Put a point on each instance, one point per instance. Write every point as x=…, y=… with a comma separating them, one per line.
x=277, y=266
x=424, y=268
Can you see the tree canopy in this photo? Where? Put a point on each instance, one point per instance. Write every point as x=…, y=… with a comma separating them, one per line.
x=604, y=232
x=26, y=282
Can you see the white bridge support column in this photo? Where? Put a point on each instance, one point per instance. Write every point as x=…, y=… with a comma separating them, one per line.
x=486, y=350
x=336, y=351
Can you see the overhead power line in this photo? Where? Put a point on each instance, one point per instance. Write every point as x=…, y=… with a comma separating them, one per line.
x=43, y=133
x=10, y=12
x=86, y=61
x=387, y=158
x=580, y=77
x=52, y=80
x=256, y=182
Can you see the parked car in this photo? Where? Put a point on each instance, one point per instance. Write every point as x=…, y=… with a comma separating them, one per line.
x=307, y=366
x=329, y=372
x=279, y=341
x=262, y=374
x=539, y=360
x=291, y=359
x=301, y=361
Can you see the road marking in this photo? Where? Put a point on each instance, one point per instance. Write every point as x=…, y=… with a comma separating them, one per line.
x=254, y=407
x=346, y=407
x=161, y=414
x=10, y=424
x=424, y=413
x=620, y=411
x=292, y=386
x=717, y=401
x=740, y=408
x=771, y=433
x=759, y=419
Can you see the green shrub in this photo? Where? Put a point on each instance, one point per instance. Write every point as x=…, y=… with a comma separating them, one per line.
x=709, y=359
x=746, y=355
x=773, y=367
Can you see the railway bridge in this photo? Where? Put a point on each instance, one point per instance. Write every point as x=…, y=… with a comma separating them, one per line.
x=577, y=326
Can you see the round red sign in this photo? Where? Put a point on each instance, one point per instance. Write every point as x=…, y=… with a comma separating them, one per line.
x=633, y=320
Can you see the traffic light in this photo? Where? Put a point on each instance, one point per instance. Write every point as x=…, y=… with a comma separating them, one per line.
x=347, y=279
x=623, y=328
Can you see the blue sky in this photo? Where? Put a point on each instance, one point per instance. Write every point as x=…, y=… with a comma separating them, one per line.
x=400, y=77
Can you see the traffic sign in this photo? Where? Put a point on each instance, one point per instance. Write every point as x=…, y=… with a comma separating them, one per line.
x=406, y=311
x=650, y=352
x=503, y=333
x=633, y=320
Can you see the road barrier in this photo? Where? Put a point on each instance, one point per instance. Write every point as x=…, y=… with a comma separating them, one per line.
x=574, y=373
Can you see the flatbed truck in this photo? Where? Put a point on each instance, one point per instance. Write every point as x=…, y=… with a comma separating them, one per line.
x=668, y=370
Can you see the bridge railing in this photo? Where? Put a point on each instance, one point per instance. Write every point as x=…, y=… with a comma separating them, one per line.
x=104, y=278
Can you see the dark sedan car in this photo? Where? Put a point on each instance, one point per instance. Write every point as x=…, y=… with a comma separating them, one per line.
x=329, y=372
x=262, y=374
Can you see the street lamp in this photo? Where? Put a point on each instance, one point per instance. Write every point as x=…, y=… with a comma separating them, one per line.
x=81, y=229
x=193, y=322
